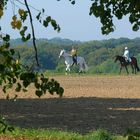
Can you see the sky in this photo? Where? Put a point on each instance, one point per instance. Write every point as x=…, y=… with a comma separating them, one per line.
x=74, y=20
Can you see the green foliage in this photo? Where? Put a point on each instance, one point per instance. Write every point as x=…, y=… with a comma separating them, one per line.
x=7, y=130
x=17, y=75
x=40, y=134
x=107, y=9
x=103, y=9
x=45, y=22
x=11, y=71
x=4, y=127
x=132, y=135
x=23, y=14
x=18, y=24
x=22, y=33
x=107, y=66
x=99, y=135
x=99, y=55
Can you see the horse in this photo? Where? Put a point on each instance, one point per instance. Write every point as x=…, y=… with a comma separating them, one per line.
x=69, y=62
x=124, y=63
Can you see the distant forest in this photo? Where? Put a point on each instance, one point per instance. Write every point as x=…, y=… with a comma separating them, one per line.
x=99, y=55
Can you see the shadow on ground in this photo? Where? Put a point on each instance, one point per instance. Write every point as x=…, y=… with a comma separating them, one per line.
x=74, y=114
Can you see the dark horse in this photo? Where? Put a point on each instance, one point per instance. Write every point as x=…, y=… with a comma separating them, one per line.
x=124, y=63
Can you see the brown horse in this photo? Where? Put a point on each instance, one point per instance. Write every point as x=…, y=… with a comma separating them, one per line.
x=124, y=63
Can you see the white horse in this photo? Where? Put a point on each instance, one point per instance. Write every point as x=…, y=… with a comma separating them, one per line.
x=69, y=62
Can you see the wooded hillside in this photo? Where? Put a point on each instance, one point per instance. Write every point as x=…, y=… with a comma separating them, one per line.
x=99, y=55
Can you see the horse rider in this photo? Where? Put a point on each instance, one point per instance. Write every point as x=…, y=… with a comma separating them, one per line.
x=74, y=55
x=126, y=55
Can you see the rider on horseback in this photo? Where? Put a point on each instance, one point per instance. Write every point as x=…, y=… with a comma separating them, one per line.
x=74, y=55
x=126, y=55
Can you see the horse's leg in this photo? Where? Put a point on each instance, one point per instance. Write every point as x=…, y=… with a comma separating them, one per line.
x=126, y=69
x=66, y=72
x=69, y=69
x=135, y=69
x=84, y=68
x=80, y=68
x=120, y=69
x=132, y=68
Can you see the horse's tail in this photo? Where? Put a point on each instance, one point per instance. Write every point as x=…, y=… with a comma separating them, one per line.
x=136, y=65
x=138, y=69
x=85, y=66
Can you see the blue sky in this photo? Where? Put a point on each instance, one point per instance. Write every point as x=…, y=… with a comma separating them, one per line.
x=74, y=20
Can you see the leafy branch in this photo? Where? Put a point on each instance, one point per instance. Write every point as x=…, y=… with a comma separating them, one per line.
x=33, y=33
x=12, y=73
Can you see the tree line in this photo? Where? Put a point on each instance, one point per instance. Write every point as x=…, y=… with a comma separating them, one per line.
x=99, y=55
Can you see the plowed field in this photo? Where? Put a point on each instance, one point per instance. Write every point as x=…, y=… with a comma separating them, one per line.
x=89, y=103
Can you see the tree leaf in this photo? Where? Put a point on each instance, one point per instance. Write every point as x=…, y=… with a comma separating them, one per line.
x=39, y=93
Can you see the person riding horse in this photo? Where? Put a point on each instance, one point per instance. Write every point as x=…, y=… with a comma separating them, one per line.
x=69, y=62
x=74, y=55
x=126, y=55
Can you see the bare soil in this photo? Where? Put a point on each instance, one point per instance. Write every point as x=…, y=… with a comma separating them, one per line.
x=89, y=103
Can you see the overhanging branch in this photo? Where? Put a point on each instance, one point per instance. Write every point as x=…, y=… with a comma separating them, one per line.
x=33, y=33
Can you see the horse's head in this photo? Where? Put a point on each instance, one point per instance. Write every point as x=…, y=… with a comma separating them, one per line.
x=62, y=53
x=116, y=58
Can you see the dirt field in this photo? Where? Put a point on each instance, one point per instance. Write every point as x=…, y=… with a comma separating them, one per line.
x=89, y=103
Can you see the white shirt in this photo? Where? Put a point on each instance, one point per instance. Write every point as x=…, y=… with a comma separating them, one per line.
x=126, y=53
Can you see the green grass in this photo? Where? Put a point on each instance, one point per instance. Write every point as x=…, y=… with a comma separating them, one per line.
x=53, y=73
x=88, y=73
x=42, y=134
